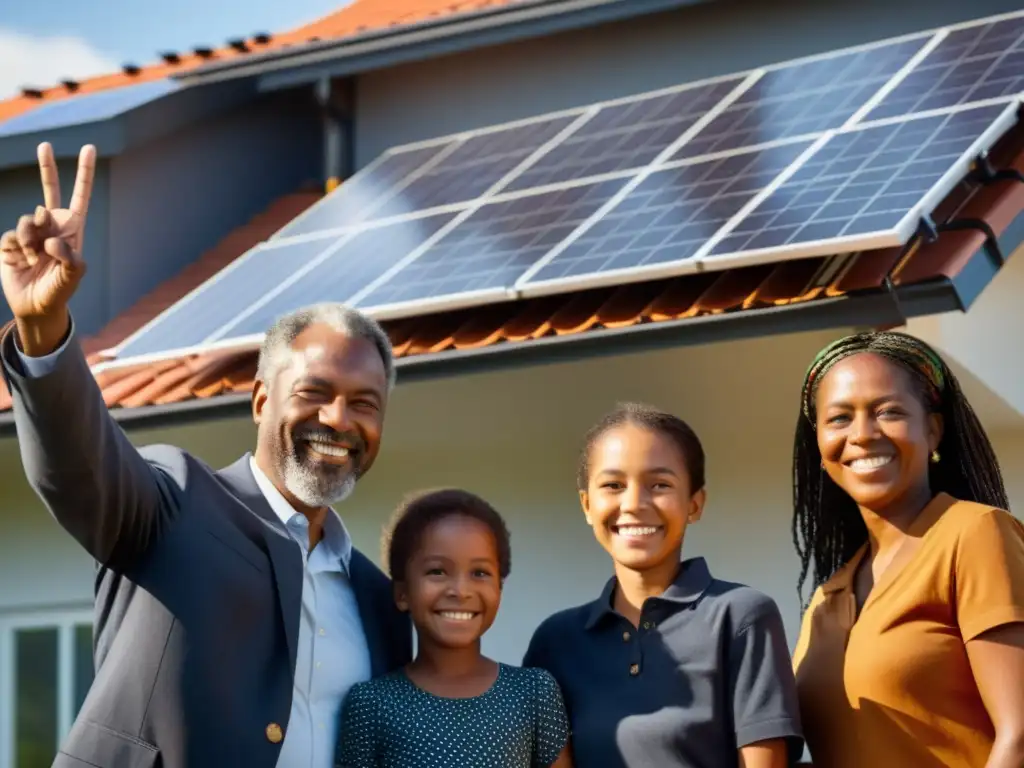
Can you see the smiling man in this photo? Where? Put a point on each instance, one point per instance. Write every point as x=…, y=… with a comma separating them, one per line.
x=232, y=612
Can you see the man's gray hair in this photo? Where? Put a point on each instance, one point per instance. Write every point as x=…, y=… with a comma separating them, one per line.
x=277, y=344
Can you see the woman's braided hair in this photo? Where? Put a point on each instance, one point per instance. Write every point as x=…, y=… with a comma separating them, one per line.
x=827, y=526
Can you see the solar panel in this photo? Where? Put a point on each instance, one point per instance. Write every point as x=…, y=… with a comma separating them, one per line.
x=662, y=223
x=491, y=248
x=87, y=108
x=864, y=188
x=475, y=166
x=625, y=135
x=220, y=299
x=803, y=98
x=767, y=165
x=974, y=63
x=360, y=196
x=354, y=266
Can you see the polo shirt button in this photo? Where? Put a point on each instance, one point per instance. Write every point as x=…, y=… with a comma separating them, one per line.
x=647, y=625
x=634, y=669
x=625, y=637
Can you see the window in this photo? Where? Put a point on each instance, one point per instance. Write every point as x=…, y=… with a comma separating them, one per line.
x=46, y=669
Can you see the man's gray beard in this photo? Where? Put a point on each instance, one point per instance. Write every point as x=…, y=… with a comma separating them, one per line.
x=316, y=489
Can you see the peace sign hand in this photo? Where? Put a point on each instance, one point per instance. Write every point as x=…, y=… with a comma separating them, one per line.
x=41, y=261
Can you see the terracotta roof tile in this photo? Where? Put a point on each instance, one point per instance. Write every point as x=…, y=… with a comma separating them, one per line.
x=224, y=372
x=356, y=18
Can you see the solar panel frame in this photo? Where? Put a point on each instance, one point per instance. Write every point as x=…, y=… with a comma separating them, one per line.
x=449, y=145
x=929, y=38
x=529, y=287
x=509, y=161
x=939, y=60
x=715, y=90
x=543, y=226
x=332, y=288
x=323, y=247
x=806, y=110
x=899, y=235
x=293, y=228
x=467, y=299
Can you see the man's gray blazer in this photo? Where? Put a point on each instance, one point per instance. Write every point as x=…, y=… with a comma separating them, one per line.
x=198, y=587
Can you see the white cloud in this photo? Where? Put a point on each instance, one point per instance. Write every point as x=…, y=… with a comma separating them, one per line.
x=44, y=61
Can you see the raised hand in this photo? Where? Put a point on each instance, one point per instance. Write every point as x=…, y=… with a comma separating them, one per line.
x=41, y=261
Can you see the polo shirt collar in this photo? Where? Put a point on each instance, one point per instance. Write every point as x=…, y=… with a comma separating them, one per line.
x=689, y=586
x=934, y=509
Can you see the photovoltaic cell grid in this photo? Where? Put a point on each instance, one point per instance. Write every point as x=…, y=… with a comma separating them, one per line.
x=474, y=167
x=828, y=199
x=971, y=64
x=494, y=245
x=859, y=183
x=357, y=198
x=280, y=277
x=219, y=300
x=624, y=136
x=803, y=98
x=363, y=258
x=670, y=214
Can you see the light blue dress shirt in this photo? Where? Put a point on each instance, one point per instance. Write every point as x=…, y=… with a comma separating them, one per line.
x=333, y=654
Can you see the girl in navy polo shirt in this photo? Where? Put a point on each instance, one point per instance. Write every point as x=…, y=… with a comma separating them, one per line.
x=669, y=666
x=448, y=553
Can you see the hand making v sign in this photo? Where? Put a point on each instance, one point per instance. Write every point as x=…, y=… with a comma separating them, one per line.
x=41, y=262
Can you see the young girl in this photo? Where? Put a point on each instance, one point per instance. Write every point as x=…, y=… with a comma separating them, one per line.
x=669, y=666
x=448, y=553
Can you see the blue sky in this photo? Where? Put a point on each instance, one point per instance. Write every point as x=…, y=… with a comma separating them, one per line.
x=43, y=41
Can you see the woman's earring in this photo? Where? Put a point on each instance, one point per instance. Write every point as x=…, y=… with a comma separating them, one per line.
x=935, y=457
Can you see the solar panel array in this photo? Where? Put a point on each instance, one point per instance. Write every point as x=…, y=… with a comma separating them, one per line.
x=835, y=153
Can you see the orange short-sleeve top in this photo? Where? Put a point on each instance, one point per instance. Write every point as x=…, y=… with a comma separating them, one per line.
x=893, y=686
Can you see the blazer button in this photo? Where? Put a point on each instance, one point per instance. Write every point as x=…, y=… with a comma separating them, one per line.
x=274, y=733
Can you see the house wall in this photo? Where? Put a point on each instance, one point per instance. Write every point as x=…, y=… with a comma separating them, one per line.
x=174, y=198
x=157, y=207
x=21, y=192
x=513, y=437
x=494, y=85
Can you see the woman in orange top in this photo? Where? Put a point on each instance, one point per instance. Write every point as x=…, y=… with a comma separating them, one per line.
x=911, y=652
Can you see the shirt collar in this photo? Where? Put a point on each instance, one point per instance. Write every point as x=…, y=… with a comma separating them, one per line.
x=336, y=537
x=689, y=586
x=934, y=509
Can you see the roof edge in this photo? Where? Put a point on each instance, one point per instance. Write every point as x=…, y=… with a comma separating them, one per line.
x=381, y=48
x=141, y=124
x=876, y=308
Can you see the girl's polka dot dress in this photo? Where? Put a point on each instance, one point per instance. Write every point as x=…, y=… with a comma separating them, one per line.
x=519, y=722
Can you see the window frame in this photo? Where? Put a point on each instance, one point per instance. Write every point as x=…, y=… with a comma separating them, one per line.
x=65, y=622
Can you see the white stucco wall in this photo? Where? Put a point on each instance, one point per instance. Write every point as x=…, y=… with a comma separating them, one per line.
x=513, y=436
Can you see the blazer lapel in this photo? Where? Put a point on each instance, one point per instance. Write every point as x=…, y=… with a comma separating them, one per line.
x=368, y=613
x=284, y=554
